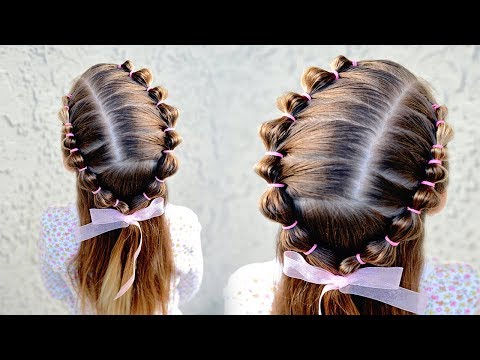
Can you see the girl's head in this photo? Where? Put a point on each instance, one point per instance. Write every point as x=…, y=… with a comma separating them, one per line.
x=356, y=162
x=118, y=136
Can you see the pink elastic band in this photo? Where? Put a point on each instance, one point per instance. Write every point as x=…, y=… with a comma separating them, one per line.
x=428, y=183
x=307, y=95
x=160, y=102
x=167, y=151
x=146, y=197
x=290, y=116
x=435, y=106
x=131, y=72
x=437, y=146
x=276, y=185
x=116, y=203
x=274, y=153
x=73, y=150
x=393, y=243
x=82, y=169
x=119, y=66
x=67, y=124
x=159, y=180
x=290, y=226
x=354, y=63
x=435, y=161
x=69, y=135
x=336, y=74
x=69, y=96
x=359, y=259
x=418, y=212
x=96, y=191
x=311, y=249
x=149, y=88
x=439, y=122
x=66, y=107
x=168, y=129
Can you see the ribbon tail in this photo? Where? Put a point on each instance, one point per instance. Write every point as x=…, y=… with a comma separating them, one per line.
x=91, y=230
x=325, y=289
x=400, y=298
x=130, y=281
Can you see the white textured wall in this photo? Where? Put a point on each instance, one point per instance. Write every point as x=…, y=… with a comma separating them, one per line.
x=223, y=93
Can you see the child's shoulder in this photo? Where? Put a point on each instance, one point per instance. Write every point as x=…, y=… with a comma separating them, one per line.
x=180, y=215
x=250, y=289
x=453, y=287
x=58, y=243
x=262, y=271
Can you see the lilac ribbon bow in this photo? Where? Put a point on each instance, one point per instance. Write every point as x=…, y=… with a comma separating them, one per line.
x=377, y=283
x=104, y=220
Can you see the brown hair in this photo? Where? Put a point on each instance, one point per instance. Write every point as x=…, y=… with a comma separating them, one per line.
x=353, y=161
x=118, y=128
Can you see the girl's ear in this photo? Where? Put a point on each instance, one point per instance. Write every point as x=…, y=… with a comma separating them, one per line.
x=440, y=206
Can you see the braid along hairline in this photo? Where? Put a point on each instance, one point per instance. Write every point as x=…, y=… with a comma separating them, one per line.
x=412, y=216
x=313, y=80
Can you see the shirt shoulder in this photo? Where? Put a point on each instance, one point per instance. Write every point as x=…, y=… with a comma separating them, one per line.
x=182, y=222
x=185, y=231
x=57, y=242
x=453, y=288
x=250, y=289
x=181, y=217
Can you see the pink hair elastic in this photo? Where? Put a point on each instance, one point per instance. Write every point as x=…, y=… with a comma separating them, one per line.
x=146, y=197
x=116, y=203
x=69, y=135
x=439, y=122
x=276, y=185
x=437, y=146
x=66, y=107
x=167, y=151
x=96, y=191
x=435, y=106
x=119, y=66
x=435, y=161
x=69, y=96
x=73, y=150
x=393, y=243
x=359, y=259
x=159, y=102
x=354, y=63
x=335, y=72
x=307, y=95
x=168, y=129
x=149, y=88
x=290, y=116
x=67, y=124
x=159, y=180
x=290, y=226
x=274, y=153
x=131, y=72
x=82, y=169
x=418, y=212
x=311, y=249
x=428, y=183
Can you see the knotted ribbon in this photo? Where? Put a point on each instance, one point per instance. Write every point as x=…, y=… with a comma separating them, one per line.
x=377, y=283
x=104, y=220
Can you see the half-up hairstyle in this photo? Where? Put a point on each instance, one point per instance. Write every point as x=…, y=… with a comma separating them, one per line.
x=118, y=136
x=353, y=164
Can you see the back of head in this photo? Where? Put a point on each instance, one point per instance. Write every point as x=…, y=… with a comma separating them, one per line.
x=352, y=158
x=118, y=136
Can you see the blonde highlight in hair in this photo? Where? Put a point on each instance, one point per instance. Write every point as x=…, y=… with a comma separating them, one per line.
x=353, y=161
x=118, y=122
